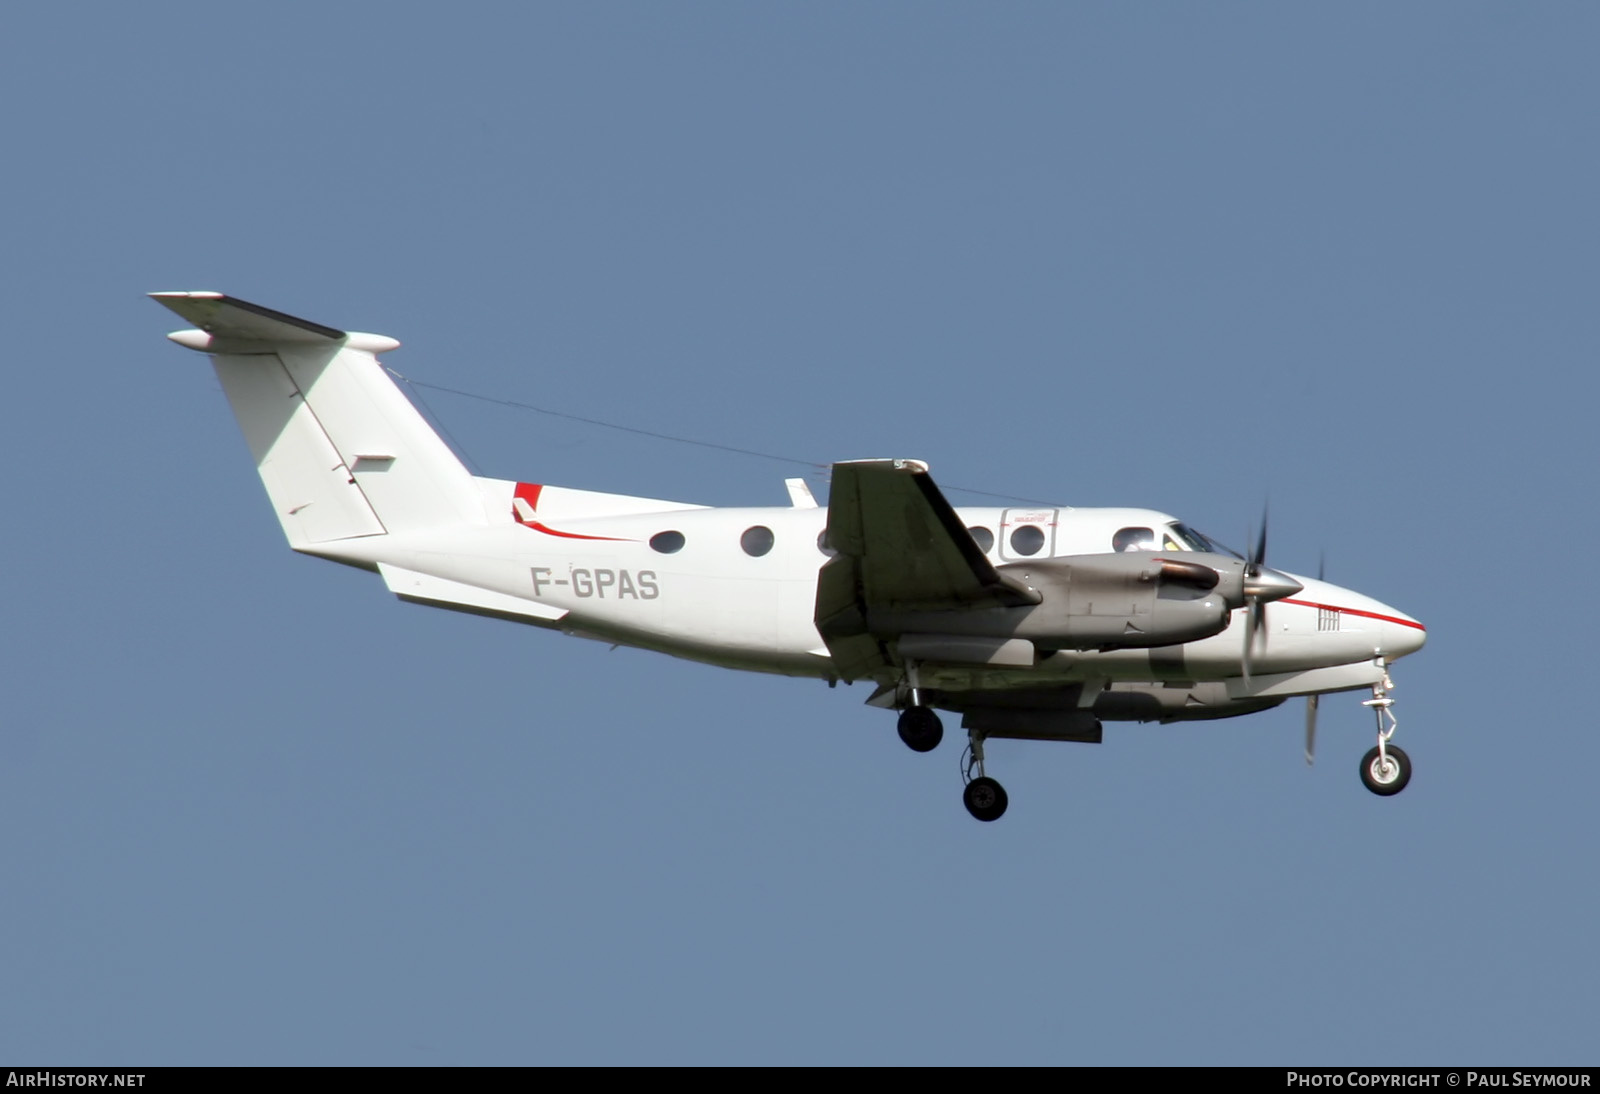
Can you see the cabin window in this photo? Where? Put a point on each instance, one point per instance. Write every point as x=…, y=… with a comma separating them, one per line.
x=1027, y=539
x=668, y=543
x=756, y=541
x=983, y=538
x=1134, y=539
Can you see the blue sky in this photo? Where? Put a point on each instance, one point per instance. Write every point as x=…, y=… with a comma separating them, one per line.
x=1182, y=256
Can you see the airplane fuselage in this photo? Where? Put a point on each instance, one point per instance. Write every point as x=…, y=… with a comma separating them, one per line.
x=685, y=580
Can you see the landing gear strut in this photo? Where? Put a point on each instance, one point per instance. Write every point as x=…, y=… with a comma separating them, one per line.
x=920, y=727
x=1385, y=769
x=984, y=798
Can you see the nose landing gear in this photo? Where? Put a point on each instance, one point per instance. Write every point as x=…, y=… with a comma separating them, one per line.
x=1385, y=769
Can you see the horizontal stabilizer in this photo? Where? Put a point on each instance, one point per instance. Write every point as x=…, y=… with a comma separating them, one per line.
x=229, y=317
x=443, y=593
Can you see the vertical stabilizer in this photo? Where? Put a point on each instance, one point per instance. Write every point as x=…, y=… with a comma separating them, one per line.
x=341, y=450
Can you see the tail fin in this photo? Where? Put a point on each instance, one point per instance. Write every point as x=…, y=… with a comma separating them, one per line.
x=341, y=450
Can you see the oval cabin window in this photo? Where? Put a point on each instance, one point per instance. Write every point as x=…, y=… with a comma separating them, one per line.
x=756, y=541
x=1134, y=539
x=1027, y=540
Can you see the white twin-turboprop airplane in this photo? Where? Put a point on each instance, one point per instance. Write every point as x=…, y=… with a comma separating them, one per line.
x=1033, y=623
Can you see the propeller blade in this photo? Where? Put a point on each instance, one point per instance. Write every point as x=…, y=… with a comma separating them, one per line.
x=1311, y=729
x=1322, y=565
x=1254, y=630
x=1260, y=587
x=1245, y=661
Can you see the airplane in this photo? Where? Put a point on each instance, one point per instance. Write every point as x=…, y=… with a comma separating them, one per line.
x=1028, y=622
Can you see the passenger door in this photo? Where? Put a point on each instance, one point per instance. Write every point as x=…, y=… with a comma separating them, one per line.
x=1027, y=533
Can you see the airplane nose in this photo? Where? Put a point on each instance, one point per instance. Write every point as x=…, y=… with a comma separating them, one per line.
x=1401, y=633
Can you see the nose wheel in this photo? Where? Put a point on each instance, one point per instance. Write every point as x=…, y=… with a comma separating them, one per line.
x=1387, y=771
x=984, y=798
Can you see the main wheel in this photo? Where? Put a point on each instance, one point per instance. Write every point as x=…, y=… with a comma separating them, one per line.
x=921, y=729
x=1385, y=780
x=985, y=798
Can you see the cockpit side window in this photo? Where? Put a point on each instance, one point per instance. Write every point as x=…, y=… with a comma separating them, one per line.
x=1134, y=539
x=1196, y=541
x=1186, y=538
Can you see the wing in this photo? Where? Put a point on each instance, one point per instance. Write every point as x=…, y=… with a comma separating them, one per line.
x=901, y=547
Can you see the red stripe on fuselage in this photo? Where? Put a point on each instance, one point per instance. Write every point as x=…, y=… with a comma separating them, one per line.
x=529, y=492
x=1357, y=611
x=537, y=527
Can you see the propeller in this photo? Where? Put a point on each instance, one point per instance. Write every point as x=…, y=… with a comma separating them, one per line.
x=1256, y=607
x=1262, y=585
x=1311, y=700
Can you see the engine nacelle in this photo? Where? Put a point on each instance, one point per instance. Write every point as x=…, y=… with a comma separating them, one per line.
x=1137, y=599
x=1130, y=600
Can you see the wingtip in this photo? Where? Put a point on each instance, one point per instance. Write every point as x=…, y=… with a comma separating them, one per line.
x=202, y=294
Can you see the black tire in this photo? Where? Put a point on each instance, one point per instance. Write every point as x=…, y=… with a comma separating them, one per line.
x=921, y=729
x=1381, y=782
x=985, y=799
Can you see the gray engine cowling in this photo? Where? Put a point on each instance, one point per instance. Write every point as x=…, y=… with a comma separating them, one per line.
x=1132, y=600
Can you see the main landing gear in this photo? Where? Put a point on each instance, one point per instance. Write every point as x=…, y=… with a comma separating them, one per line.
x=984, y=798
x=1385, y=769
x=920, y=727
x=922, y=731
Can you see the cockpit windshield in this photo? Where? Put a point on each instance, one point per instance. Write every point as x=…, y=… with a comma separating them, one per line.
x=1182, y=537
